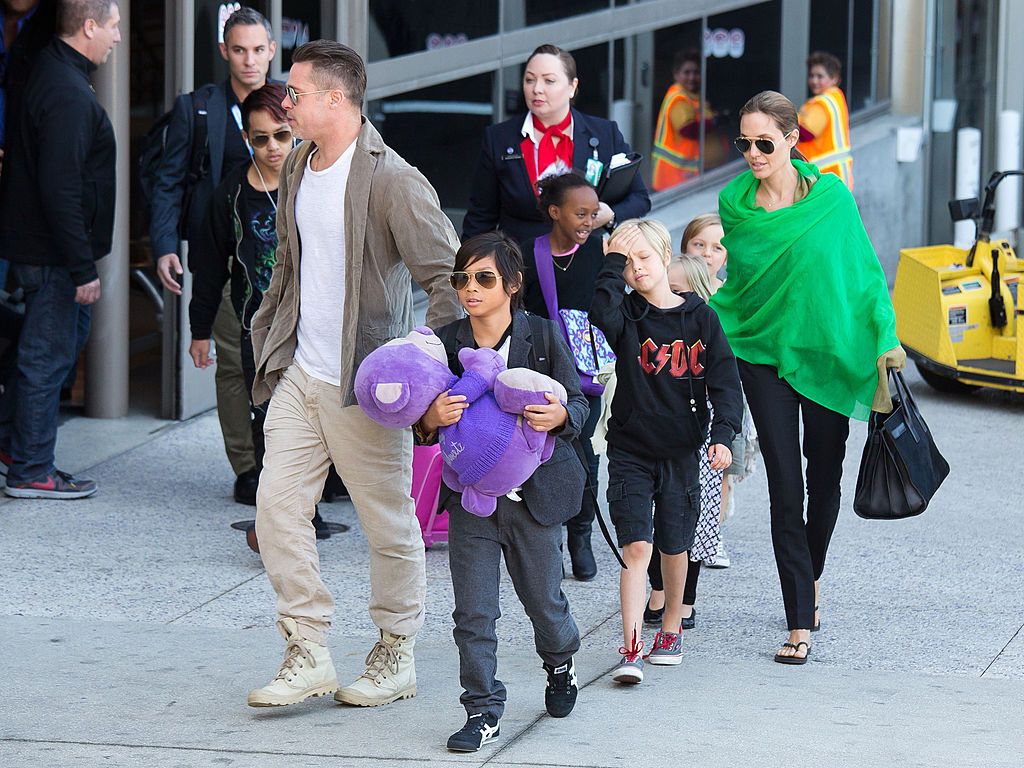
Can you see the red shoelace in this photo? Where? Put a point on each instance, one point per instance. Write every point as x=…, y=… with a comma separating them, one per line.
x=632, y=653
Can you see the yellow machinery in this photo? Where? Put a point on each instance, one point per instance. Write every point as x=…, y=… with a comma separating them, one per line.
x=957, y=311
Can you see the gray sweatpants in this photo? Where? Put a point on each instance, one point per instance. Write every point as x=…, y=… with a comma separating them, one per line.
x=534, y=562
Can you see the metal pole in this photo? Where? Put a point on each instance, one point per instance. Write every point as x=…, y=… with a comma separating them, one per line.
x=106, y=384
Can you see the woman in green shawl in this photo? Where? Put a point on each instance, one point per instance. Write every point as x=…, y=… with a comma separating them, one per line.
x=807, y=311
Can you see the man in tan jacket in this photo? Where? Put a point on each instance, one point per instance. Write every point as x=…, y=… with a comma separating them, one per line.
x=354, y=221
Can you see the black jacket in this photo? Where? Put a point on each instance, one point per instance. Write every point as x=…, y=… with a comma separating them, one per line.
x=35, y=34
x=502, y=197
x=57, y=204
x=219, y=253
x=169, y=192
x=553, y=492
x=669, y=363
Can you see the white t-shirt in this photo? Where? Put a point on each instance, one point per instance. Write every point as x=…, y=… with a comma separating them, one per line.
x=320, y=217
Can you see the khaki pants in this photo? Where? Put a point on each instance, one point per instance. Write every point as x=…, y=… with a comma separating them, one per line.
x=307, y=429
x=232, y=395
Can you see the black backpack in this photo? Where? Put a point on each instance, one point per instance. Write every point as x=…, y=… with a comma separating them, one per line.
x=155, y=141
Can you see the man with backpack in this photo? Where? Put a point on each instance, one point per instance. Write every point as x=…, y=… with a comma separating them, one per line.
x=203, y=141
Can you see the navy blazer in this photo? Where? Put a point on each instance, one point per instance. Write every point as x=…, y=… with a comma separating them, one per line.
x=502, y=197
x=169, y=192
x=553, y=493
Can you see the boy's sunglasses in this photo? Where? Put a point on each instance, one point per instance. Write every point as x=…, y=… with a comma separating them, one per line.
x=765, y=146
x=260, y=140
x=485, y=279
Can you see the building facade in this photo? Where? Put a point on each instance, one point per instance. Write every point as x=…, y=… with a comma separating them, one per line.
x=439, y=72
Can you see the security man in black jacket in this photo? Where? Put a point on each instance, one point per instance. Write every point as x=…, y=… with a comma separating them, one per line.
x=56, y=221
x=204, y=142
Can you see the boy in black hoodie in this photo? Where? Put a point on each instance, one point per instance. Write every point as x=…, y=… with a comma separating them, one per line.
x=672, y=358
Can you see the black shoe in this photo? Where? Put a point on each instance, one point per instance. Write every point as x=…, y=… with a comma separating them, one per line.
x=690, y=621
x=323, y=531
x=334, y=489
x=584, y=567
x=479, y=729
x=653, y=616
x=245, y=487
x=561, y=692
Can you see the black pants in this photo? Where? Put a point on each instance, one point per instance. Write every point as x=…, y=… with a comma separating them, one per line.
x=800, y=547
x=584, y=520
x=692, y=574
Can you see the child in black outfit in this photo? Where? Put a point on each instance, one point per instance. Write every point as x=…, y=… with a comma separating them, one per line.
x=672, y=358
x=526, y=528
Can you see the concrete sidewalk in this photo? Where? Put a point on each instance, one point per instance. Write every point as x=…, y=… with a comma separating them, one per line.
x=137, y=620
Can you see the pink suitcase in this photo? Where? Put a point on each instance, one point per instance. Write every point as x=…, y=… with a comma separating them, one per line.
x=426, y=489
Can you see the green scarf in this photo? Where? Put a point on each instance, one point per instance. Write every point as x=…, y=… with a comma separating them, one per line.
x=805, y=293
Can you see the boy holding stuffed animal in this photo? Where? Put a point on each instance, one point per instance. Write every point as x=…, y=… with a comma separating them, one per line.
x=526, y=527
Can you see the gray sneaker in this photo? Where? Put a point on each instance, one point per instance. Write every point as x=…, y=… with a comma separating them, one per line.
x=668, y=649
x=630, y=670
x=59, y=485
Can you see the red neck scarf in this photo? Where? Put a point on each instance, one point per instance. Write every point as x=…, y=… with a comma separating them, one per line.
x=538, y=159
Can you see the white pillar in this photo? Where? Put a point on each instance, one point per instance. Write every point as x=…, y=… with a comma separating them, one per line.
x=1008, y=158
x=106, y=389
x=968, y=179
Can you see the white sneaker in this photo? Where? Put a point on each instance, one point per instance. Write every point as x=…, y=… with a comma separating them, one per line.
x=390, y=674
x=306, y=671
x=721, y=557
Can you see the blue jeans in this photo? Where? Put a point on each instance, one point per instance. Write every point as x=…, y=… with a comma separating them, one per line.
x=4, y=264
x=53, y=335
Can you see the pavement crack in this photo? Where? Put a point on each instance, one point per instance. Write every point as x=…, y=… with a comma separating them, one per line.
x=1002, y=650
x=216, y=597
x=217, y=750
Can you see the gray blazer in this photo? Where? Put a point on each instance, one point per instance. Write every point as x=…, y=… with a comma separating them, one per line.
x=394, y=226
x=554, y=492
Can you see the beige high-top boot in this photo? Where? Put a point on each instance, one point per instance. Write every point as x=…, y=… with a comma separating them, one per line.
x=390, y=674
x=306, y=671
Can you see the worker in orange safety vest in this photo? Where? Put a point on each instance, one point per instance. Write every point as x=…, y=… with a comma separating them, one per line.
x=676, y=152
x=825, y=119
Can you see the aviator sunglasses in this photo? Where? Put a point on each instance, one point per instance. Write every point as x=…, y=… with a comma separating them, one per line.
x=765, y=146
x=261, y=140
x=485, y=279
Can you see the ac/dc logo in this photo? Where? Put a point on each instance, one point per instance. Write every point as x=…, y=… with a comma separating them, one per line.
x=676, y=355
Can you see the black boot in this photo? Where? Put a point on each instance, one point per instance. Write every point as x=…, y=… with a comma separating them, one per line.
x=584, y=567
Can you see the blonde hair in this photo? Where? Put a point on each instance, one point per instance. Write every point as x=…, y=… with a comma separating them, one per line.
x=696, y=271
x=656, y=234
x=696, y=226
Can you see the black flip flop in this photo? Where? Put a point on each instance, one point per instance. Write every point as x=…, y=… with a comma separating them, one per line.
x=795, y=660
x=817, y=624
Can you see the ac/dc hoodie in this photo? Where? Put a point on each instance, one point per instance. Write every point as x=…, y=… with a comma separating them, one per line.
x=670, y=362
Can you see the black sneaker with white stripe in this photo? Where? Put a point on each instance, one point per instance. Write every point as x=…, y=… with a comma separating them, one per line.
x=560, y=695
x=479, y=729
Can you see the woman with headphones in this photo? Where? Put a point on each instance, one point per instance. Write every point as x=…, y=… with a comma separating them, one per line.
x=551, y=138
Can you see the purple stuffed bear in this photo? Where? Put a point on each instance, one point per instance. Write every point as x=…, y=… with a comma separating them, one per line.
x=491, y=451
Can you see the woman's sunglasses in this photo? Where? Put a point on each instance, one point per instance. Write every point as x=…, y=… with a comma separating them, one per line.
x=765, y=146
x=260, y=140
x=485, y=279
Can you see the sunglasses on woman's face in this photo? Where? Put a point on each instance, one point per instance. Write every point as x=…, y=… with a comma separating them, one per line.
x=764, y=146
x=485, y=279
x=260, y=140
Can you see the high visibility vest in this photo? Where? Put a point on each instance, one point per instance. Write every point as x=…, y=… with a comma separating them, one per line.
x=676, y=158
x=830, y=149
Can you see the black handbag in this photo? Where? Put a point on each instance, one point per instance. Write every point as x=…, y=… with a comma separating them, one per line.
x=901, y=468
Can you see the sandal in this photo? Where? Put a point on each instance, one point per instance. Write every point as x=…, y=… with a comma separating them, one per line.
x=817, y=624
x=781, y=659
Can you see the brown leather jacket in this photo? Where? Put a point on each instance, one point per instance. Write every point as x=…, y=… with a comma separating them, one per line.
x=393, y=227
